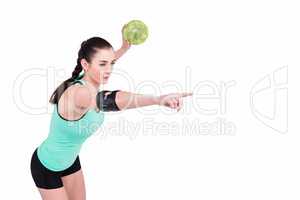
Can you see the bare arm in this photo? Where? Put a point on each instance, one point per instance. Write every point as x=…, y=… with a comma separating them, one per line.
x=120, y=52
x=125, y=46
x=127, y=100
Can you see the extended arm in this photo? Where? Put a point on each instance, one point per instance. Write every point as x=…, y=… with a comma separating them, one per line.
x=119, y=100
x=127, y=100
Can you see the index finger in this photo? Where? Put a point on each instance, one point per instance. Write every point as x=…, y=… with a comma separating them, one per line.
x=185, y=94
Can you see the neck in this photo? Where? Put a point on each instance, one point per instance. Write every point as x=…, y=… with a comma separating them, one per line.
x=90, y=82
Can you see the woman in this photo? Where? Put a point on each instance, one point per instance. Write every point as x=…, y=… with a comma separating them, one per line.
x=55, y=164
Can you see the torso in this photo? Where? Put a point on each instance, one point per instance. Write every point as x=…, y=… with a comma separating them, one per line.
x=66, y=136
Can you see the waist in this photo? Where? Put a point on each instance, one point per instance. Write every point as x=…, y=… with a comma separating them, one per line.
x=57, y=156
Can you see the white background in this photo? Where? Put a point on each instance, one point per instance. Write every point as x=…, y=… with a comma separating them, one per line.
x=219, y=41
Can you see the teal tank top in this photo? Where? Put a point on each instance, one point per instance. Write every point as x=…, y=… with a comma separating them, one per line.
x=60, y=149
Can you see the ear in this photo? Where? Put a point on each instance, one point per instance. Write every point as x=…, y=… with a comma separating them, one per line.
x=84, y=64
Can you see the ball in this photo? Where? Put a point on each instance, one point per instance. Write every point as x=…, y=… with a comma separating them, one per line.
x=135, y=32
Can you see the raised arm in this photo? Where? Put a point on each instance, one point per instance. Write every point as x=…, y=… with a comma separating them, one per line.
x=120, y=52
x=125, y=46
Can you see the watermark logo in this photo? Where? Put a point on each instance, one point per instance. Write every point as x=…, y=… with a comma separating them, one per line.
x=269, y=100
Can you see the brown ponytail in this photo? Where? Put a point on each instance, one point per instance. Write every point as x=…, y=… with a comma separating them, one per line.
x=86, y=51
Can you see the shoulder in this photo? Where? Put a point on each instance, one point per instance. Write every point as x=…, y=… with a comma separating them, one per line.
x=80, y=95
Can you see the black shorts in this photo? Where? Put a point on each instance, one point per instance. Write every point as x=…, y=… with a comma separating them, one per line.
x=46, y=178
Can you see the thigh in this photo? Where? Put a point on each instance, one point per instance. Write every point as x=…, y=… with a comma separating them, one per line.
x=53, y=194
x=42, y=176
x=74, y=185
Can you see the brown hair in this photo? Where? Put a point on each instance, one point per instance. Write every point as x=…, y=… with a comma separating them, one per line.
x=87, y=50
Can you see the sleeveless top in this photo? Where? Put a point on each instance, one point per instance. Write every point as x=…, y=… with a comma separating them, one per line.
x=60, y=149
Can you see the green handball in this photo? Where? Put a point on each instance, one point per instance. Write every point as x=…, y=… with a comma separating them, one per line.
x=135, y=32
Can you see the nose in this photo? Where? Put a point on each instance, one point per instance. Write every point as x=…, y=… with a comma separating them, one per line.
x=108, y=70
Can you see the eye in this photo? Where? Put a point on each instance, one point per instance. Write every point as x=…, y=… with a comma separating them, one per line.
x=102, y=65
x=113, y=63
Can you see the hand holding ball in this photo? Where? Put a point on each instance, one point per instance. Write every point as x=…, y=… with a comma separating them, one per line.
x=135, y=32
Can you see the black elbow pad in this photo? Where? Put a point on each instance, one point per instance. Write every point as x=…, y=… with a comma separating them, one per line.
x=106, y=100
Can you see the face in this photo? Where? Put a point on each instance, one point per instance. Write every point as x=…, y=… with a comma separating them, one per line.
x=100, y=66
